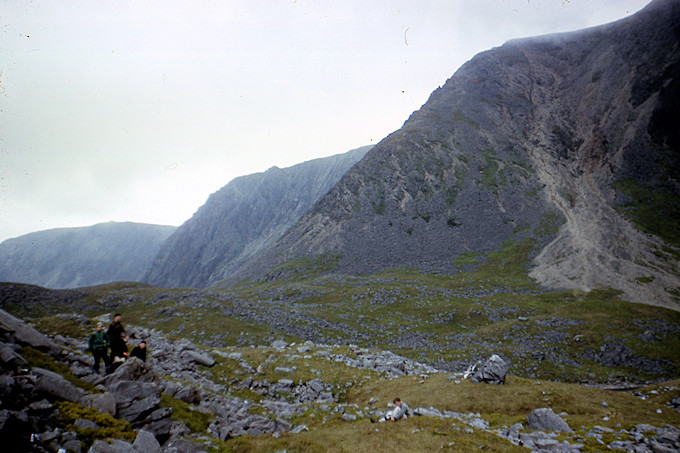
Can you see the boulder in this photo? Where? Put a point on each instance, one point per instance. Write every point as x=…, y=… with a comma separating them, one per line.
x=128, y=391
x=55, y=386
x=138, y=409
x=73, y=445
x=23, y=333
x=197, y=357
x=145, y=442
x=493, y=371
x=188, y=394
x=132, y=369
x=279, y=344
x=159, y=422
x=103, y=402
x=116, y=446
x=7, y=355
x=181, y=445
x=545, y=419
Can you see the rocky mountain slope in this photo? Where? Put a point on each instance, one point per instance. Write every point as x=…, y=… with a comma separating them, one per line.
x=74, y=257
x=243, y=217
x=568, y=142
x=190, y=396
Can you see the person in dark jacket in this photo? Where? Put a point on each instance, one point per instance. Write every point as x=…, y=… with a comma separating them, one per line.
x=98, y=344
x=139, y=351
x=117, y=335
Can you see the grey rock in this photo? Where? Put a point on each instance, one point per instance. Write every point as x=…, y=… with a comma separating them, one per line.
x=49, y=436
x=7, y=382
x=181, y=445
x=8, y=355
x=138, y=410
x=103, y=402
x=242, y=218
x=127, y=391
x=513, y=431
x=545, y=419
x=23, y=333
x=197, y=357
x=428, y=412
x=298, y=429
x=159, y=423
x=658, y=447
x=478, y=423
x=114, y=446
x=132, y=369
x=40, y=405
x=145, y=442
x=73, y=446
x=493, y=371
x=54, y=385
x=188, y=394
x=279, y=344
x=83, y=423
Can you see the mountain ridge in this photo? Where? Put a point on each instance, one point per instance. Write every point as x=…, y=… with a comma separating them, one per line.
x=63, y=258
x=244, y=216
x=526, y=141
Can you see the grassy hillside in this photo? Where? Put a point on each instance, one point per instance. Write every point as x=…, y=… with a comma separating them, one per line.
x=449, y=321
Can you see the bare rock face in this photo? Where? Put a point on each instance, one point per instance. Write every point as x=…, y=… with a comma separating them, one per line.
x=549, y=139
x=245, y=216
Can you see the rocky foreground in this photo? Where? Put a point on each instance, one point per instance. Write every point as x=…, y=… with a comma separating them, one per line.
x=34, y=417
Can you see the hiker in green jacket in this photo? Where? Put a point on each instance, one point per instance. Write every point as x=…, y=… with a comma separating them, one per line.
x=99, y=344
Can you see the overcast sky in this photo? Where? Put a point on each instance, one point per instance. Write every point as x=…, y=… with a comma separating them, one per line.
x=139, y=110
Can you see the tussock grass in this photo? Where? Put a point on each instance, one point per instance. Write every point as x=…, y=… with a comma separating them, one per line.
x=109, y=427
x=195, y=419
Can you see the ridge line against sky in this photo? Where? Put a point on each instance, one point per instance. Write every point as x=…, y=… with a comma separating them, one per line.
x=139, y=110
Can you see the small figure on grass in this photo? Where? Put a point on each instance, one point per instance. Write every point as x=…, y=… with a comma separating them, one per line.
x=400, y=411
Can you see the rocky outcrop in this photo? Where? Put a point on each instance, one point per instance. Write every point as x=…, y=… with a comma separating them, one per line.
x=75, y=257
x=492, y=371
x=245, y=216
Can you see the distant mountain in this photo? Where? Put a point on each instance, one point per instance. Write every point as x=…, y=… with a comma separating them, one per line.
x=76, y=257
x=242, y=218
x=567, y=141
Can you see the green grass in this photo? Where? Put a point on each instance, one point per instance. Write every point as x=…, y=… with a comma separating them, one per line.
x=109, y=427
x=458, y=317
x=39, y=359
x=198, y=421
x=550, y=223
x=501, y=405
x=654, y=210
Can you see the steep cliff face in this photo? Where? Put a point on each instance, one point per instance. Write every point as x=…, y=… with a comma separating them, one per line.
x=243, y=217
x=75, y=257
x=550, y=139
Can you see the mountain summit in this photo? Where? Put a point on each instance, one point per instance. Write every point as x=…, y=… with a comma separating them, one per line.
x=567, y=142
